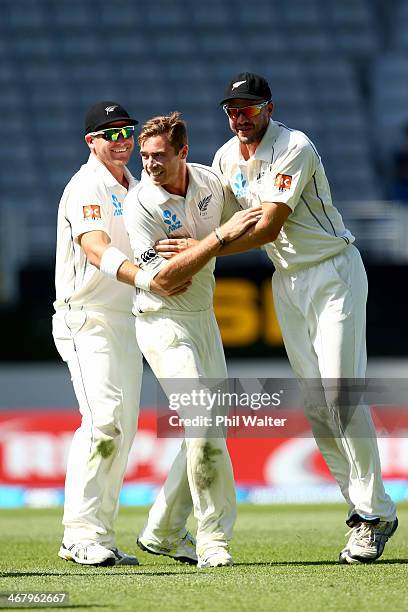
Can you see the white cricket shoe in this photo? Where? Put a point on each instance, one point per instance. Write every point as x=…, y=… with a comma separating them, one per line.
x=367, y=541
x=92, y=553
x=215, y=557
x=183, y=550
x=87, y=553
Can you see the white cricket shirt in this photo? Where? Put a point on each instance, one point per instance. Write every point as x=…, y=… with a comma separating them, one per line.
x=151, y=214
x=92, y=200
x=287, y=168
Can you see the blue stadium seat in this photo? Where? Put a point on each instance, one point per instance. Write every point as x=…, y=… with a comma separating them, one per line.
x=389, y=99
x=73, y=14
x=211, y=13
x=31, y=15
x=34, y=46
x=303, y=14
x=172, y=44
x=321, y=57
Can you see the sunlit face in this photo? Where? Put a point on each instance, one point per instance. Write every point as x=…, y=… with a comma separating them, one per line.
x=249, y=130
x=112, y=154
x=161, y=162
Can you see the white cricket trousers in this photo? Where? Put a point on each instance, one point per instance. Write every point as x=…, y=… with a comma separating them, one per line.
x=321, y=312
x=188, y=345
x=105, y=363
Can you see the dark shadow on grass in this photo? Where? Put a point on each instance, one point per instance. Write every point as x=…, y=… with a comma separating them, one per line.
x=306, y=563
x=104, y=574
x=390, y=561
x=159, y=573
x=282, y=563
x=69, y=607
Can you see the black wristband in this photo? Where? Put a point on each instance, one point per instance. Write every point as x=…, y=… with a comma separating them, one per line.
x=220, y=239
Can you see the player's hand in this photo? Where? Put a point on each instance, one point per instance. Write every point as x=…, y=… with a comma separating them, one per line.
x=240, y=222
x=168, y=247
x=156, y=288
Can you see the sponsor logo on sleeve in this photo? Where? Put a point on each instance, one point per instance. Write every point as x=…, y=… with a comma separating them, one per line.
x=92, y=212
x=147, y=256
x=283, y=182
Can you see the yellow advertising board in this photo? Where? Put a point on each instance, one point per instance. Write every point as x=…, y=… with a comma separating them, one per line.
x=245, y=313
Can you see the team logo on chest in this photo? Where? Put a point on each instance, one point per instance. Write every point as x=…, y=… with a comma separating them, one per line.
x=171, y=220
x=240, y=185
x=117, y=206
x=203, y=205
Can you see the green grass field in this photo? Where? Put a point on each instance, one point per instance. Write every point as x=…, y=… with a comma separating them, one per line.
x=285, y=559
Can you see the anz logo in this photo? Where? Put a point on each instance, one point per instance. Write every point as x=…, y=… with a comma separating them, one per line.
x=171, y=220
x=240, y=185
x=117, y=205
x=203, y=205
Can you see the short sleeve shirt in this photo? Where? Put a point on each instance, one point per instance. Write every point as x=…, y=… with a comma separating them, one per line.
x=92, y=200
x=287, y=168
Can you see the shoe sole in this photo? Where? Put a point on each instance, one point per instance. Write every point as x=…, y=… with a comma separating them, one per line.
x=188, y=560
x=105, y=563
x=346, y=559
x=229, y=564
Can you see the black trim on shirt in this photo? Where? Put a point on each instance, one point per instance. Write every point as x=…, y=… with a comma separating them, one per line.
x=305, y=135
x=323, y=206
x=313, y=215
x=67, y=300
x=272, y=154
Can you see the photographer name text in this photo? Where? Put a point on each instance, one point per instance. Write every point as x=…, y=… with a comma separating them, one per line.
x=238, y=420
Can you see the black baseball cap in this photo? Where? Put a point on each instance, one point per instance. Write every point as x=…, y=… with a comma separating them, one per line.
x=248, y=86
x=103, y=113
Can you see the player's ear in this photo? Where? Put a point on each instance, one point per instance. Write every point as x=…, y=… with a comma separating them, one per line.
x=89, y=141
x=270, y=108
x=183, y=152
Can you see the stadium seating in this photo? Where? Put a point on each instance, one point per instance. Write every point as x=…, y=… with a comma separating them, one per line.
x=322, y=58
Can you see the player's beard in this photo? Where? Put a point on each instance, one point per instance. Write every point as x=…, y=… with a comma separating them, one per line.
x=254, y=136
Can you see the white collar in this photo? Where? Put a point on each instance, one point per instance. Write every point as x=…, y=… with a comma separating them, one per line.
x=97, y=166
x=263, y=150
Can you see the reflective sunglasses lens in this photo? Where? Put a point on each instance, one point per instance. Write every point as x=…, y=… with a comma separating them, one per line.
x=127, y=131
x=113, y=134
x=252, y=111
x=231, y=112
x=247, y=111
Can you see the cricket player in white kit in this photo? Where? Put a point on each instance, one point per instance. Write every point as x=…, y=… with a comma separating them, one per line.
x=93, y=329
x=179, y=336
x=319, y=288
